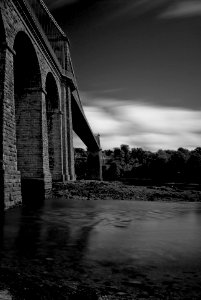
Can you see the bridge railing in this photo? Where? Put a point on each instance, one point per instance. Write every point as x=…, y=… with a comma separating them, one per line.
x=55, y=35
x=56, y=38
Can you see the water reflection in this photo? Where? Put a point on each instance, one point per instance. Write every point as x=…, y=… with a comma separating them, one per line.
x=105, y=242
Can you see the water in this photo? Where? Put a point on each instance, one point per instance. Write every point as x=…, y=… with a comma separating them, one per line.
x=118, y=246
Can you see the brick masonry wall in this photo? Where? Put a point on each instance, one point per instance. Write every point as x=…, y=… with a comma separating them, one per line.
x=29, y=134
x=24, y=145
x=1, y=125
x=71, y=164
x=54, y=124
x=11, y=180
x=32, y=147
x=64, y=133
x=2, y=72
x=57, y=146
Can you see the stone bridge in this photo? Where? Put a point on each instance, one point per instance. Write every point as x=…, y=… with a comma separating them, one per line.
x=39, y=104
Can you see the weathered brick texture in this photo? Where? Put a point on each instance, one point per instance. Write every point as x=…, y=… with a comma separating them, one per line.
x=31, y=153
x=36, y=84
x=54, y=127
x=70, y=136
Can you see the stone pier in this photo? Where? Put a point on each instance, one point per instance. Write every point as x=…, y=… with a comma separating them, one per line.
x=38, y=110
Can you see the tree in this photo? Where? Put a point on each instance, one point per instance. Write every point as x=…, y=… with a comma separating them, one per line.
x=114, y=171
x=193, y=166
x=125, y=153
x=108, y=152
x=117, y=153
x=166, y=165
x=159, y=165
x=80, y=163
x=138, y=153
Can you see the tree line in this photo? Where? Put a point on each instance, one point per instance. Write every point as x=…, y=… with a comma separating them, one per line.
x=180, y=165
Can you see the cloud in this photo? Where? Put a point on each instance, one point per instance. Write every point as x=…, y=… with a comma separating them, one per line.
x=181, y=9
x=127, y=8
x=171, y=9
x=109, y=10
x=98, y=123
x=163, y=8
x=139, y=124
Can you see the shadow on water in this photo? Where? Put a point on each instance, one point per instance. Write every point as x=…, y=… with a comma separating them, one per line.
x=2, y=220
x=39, y=250
x=33, y=194
x=53, y=248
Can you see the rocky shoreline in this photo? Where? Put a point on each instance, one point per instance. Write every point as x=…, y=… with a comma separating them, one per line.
x=97, y=190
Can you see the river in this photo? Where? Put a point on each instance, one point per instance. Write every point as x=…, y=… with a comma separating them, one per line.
x=117, y=247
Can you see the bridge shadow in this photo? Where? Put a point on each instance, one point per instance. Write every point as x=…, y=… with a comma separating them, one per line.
x=33, y=195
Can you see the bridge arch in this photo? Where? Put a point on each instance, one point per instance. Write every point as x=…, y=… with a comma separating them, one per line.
x=28, y=108
x=36, y=106
x=54, y=123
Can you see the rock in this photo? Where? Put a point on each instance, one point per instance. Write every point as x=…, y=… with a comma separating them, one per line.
x=134, y=283
x=5, y=295
x=121, y=294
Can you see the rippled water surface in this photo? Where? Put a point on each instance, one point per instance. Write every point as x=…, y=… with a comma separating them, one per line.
x=108, y=243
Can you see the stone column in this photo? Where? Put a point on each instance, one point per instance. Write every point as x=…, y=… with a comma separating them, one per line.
x=94, y=162
x=64, y=131
x=32, y=143
x=2, y=77
x=9, y=175
x=58, y=172
x=55, y=145
x=94, y=165
x=71, y=164
x=46, y=168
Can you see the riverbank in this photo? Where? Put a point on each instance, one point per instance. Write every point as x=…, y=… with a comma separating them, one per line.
x=97, y=190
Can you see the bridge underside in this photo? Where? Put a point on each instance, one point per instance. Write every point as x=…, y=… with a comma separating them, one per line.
x=39, y=109
x=82, y=128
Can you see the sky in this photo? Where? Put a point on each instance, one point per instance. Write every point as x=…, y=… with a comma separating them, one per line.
x=138, y=68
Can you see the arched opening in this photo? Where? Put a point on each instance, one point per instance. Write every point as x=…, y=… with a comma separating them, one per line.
x=26, y=65
x=27, y=89
x=53, y=127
